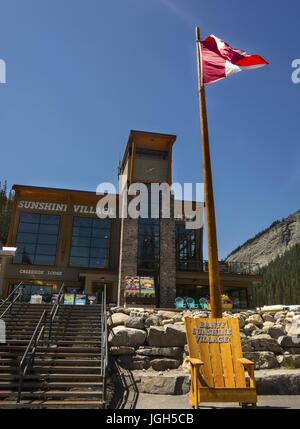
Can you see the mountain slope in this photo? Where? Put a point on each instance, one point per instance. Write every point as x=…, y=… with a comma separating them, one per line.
x=280, y=280
x=269, y=243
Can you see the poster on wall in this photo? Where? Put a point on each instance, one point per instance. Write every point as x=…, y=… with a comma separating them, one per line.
x=92, y=299
x=142, y=287
x=69, y=298
x=80, y=299
x=54, y=298
x=132, y=286
x=147, y=287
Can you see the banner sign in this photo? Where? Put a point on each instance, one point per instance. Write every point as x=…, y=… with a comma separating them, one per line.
x=69, y=298
x=147, y=286
x=80, y=299
x=136, y=286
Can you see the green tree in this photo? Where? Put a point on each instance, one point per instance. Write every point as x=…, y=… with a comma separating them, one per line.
x=280, y=280
x=6, y=201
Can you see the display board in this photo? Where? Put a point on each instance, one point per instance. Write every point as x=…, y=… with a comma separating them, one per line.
x=80, y=299
x=139, y=287
x=69, y=298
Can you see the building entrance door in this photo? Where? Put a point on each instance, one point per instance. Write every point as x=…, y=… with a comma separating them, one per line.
x=98, y=289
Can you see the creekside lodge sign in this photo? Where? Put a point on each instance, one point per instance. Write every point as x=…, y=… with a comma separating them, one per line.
x=55, y=207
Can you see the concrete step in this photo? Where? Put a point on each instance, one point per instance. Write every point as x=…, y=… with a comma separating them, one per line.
x=55, y=354
x=49, y=385
x=52, y=404
x=76, y=394
x=71, y=357
x=52, y=377
x=70, y=323
x=13, y=371
x=60, y=336
x=58, y=343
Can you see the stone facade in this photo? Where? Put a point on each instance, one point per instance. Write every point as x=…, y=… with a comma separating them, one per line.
x=128, y=254
x=167, y=263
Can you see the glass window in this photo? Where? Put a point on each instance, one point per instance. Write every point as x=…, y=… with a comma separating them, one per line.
x=29, y=227
x=37, y=239
x=81, y=251
x=185, y=243
x=148, y=242
x=90, y=243
x=45, y=249
x=79, y=262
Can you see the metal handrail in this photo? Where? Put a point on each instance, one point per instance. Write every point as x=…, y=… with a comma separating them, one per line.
x=199, y=265
x=104, y=351
x=9, y=307
x=27, y=362
x=54, y=309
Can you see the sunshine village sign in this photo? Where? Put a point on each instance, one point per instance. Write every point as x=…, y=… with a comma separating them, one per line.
x=212, y=332
x=55, y=207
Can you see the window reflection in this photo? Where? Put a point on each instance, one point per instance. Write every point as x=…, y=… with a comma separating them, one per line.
x=37, y=239
x=90, y=243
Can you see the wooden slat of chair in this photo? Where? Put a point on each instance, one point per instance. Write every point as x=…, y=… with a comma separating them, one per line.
x=202, y=353
x=226, y=356
x=237, y=353
x=216, y=364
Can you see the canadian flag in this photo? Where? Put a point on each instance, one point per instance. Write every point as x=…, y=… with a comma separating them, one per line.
x=219, y=60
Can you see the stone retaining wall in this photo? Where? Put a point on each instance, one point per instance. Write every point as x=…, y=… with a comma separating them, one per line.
x=155, y=340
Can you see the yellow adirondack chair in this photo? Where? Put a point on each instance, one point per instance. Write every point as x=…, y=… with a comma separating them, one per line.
x=217, y=363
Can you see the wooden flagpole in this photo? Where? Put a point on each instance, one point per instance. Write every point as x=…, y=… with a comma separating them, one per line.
x=213, y=262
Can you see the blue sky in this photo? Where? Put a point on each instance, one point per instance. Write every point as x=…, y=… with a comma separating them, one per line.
x=81, y=74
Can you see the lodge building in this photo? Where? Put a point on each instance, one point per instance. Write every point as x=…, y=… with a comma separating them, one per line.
x=61, y=240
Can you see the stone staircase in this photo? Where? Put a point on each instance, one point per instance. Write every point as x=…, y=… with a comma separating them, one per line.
x=67, y=371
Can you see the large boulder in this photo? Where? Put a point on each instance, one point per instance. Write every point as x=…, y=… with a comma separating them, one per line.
x=117, y=319
x=256, y=319
x=153, y=320
x=263, y=360
x=170, y=383
x=241, y=319
x=120, y=310
x=176, y=335
x=289, y=361
x=294, y=330
x=200, y=314
x=280, y=315
x=289, y=341
x=276, y=331
x=135, y=322
x=265, y=343
x=131, y=362
x=173, y=315
x=246, y=346
x=121, y=350
x=168, y=322
x=156, y=336
x=167, y=336
x=249, y=328
x=122, y=336
x=279, y=382
x=164, y=364
x=160, y=351
x=268, y=317
x=267, y=325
